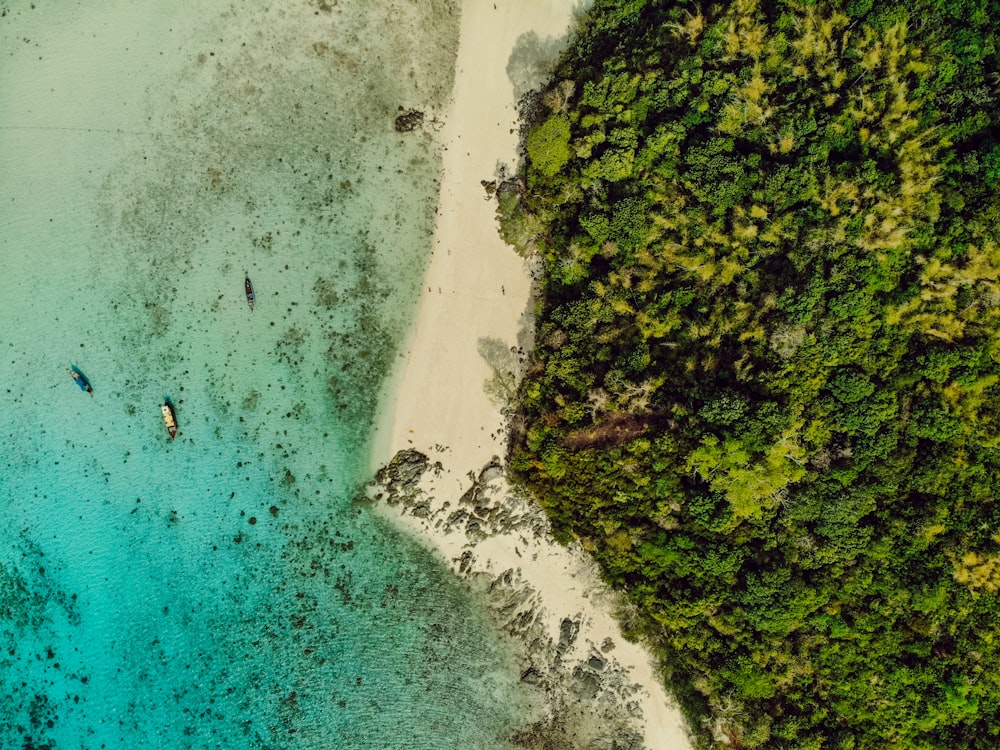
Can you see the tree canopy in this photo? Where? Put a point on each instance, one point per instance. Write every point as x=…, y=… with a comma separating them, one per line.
x=766, y=390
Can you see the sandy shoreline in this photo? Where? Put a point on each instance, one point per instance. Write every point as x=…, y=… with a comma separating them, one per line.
x=475, y=294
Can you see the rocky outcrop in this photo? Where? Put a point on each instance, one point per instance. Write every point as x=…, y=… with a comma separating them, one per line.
x=399, y=479
x=590, y=701
x=409, y=119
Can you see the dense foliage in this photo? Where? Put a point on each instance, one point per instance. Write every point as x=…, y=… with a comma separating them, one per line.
x=765, y=392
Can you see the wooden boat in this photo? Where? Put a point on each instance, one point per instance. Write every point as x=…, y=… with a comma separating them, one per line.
x=249, y=290
x=169, y=418
x=80, y=379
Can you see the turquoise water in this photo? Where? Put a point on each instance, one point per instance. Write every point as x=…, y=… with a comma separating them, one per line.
x=220, y=590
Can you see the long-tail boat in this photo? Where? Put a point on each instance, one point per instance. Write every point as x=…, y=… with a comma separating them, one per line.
x=80, y=379
x=249, y=290
x=169, y=418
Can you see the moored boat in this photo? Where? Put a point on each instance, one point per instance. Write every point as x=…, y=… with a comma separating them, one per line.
x=249, y=290
x=169, y=418
x=80, y=379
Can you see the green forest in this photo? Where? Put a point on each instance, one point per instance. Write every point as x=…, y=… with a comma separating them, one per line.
x=765, y=392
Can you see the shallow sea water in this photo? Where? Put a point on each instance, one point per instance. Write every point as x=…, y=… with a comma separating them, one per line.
x=220, y=590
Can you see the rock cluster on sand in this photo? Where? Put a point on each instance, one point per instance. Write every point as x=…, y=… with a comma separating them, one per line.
x=588, y=700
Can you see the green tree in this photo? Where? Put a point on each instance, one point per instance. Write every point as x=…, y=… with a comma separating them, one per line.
x=548, y=145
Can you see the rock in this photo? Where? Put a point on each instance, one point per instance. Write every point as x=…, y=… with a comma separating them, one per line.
x=505, y=579
x=585, y=684
x=568, y=630
x=597, y=663
x=472, y=495
x=404, y=470
x=410, y=119
x=531, y=676
x=474, y=529
x=465, y=562
x=513, y=186
x=492, y=470
x=398, y=482
x=523, y=621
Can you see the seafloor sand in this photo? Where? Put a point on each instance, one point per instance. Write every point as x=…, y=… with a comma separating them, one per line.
x=475, y=297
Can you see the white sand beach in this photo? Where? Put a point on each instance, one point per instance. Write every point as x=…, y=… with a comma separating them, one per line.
x=477, y=288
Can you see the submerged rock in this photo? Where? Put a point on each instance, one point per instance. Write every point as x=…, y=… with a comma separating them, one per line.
x=410, y=119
